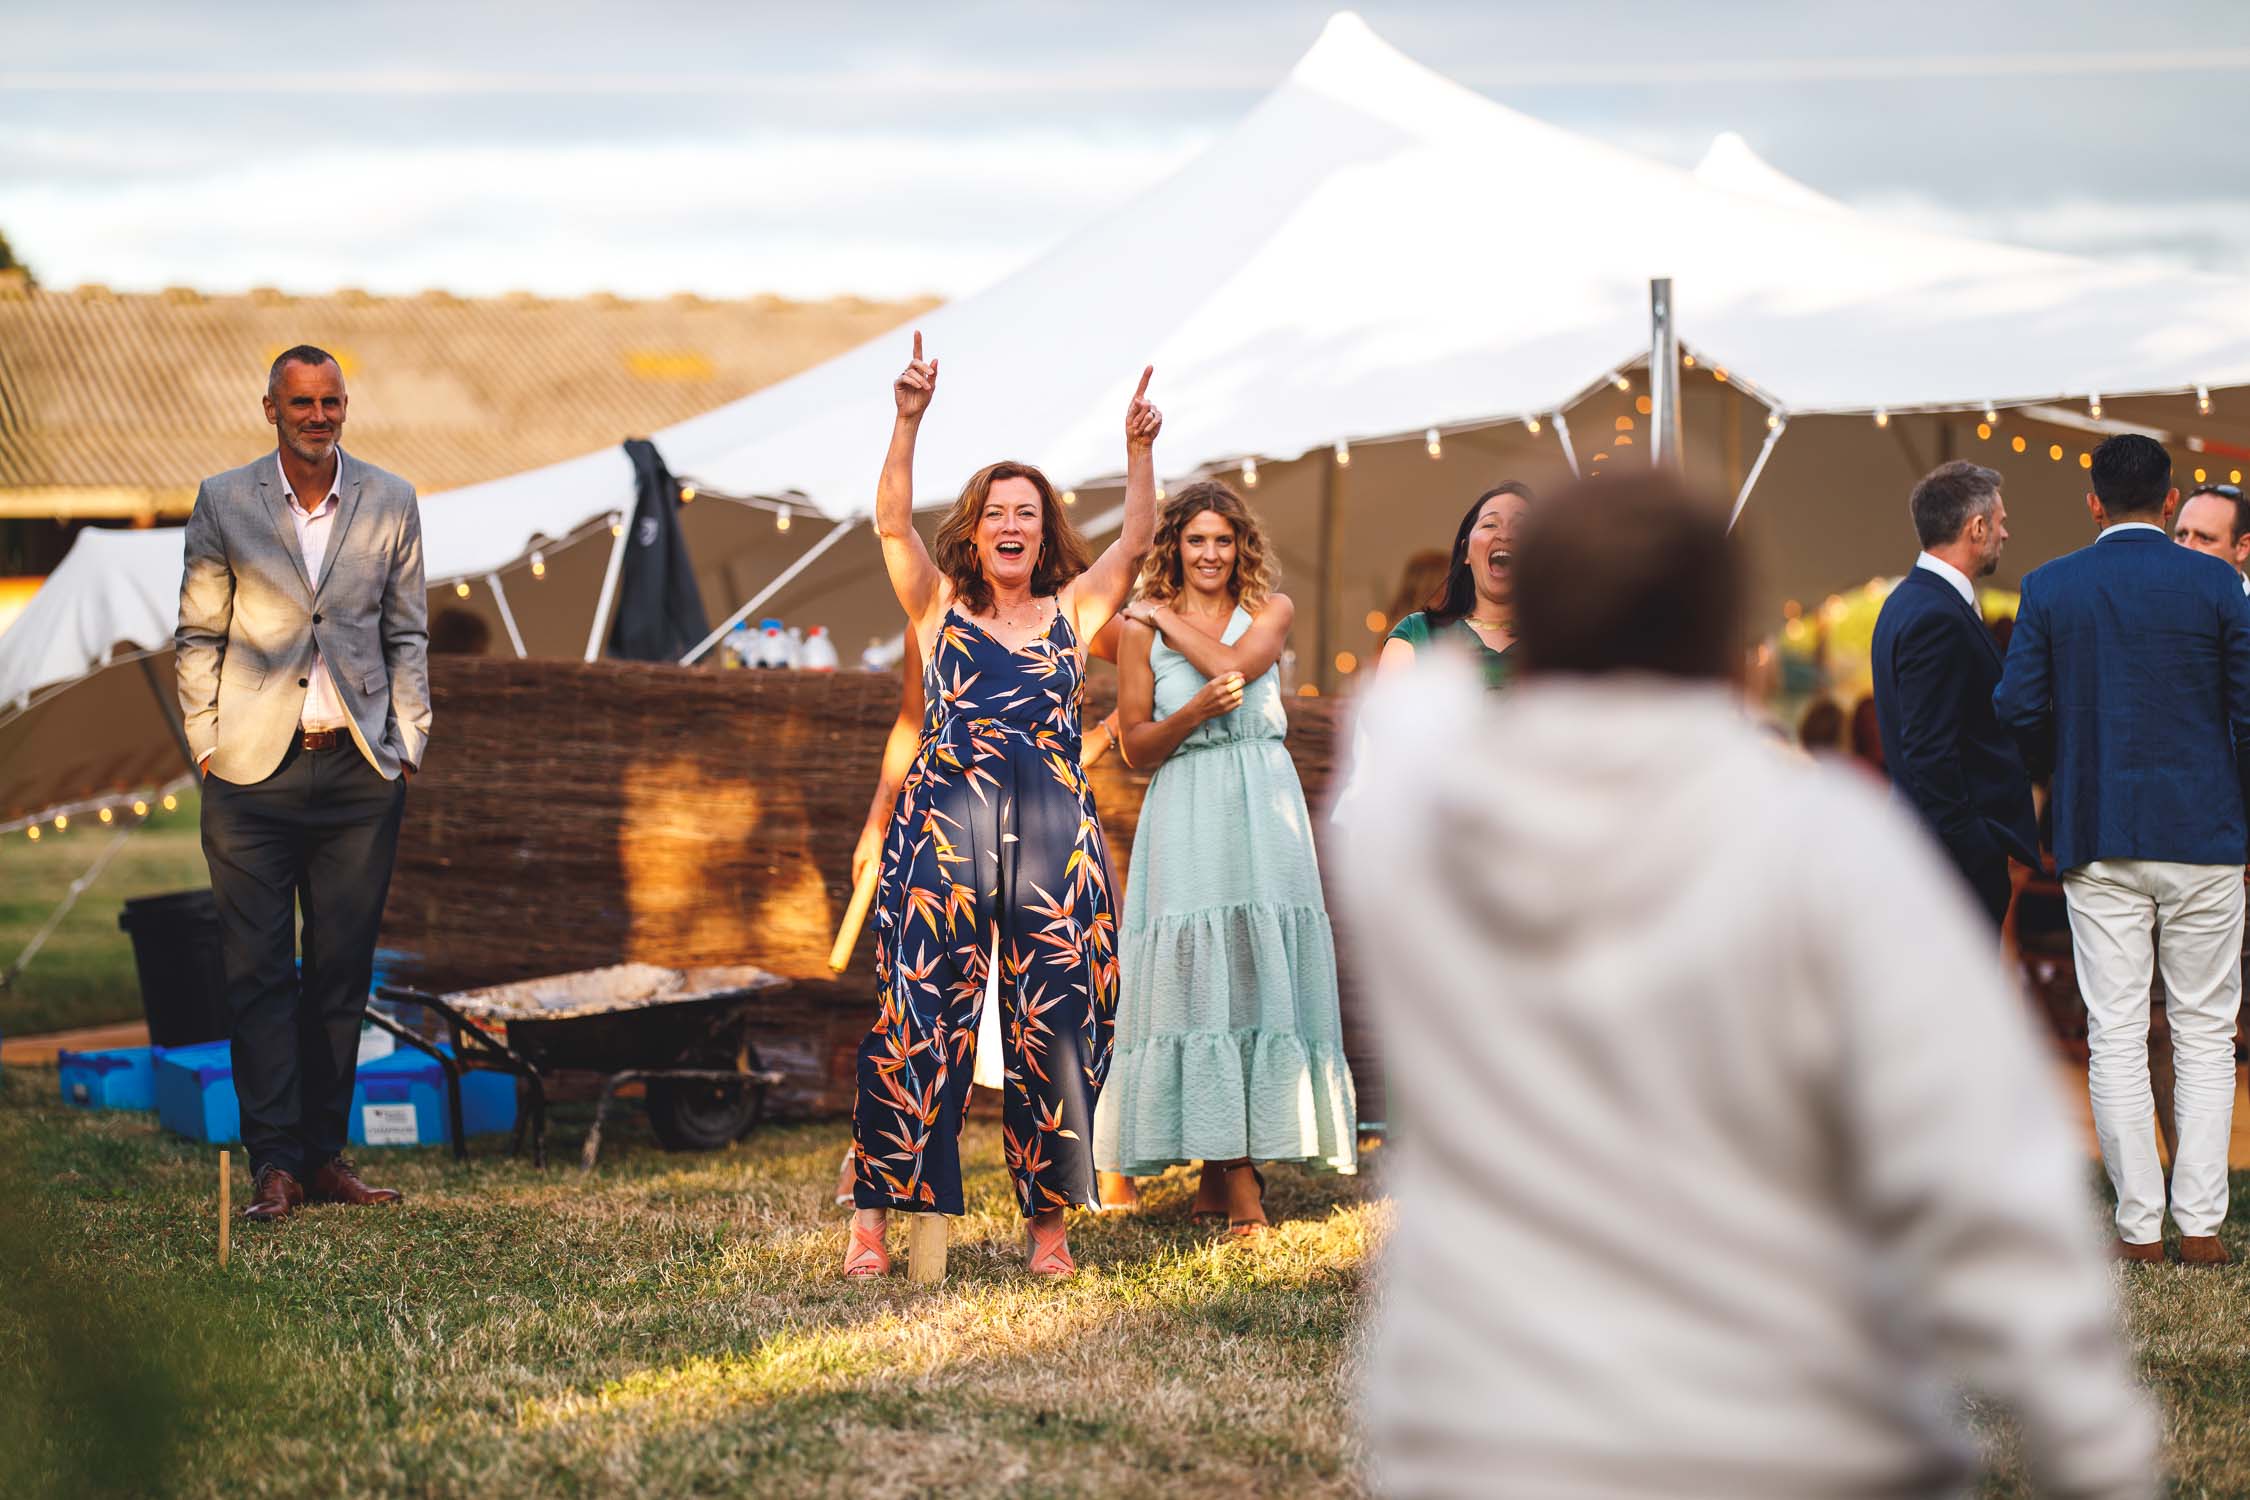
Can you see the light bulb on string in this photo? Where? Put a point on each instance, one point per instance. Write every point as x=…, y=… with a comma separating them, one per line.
x=1882, y=417
x=2017, y=442
x=1622, y=381
x=462, y=588
x=2234, y=476
x=1531, y=425
x=1249, y=473
x=2199, y=476
x=140, y=808
x=1773, y=421
x=2054, y=451
x=2085, y=460
x=2094, y=406
x=616, y=524
x=1070, y=497
x=1343, y=455
x=1720, y=375
x=2203, y=400
x=1688, y=360
x=1991, y=415
x=781, y=519
x=62, y=821
x=1984, y=431
x=108, y=816
x=1161, y=493
x=1430, y=441
x=171, y=803
x=538, y=564
x=33, y=831
x=687, y=494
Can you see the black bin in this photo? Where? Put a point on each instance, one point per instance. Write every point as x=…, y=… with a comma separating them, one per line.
x=183, y=978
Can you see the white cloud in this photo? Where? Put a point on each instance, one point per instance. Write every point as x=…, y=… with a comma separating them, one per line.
x=808, y=215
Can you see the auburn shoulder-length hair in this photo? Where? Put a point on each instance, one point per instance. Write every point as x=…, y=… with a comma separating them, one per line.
x=1062, y=551
x=1255, y=572
x=1457, y=595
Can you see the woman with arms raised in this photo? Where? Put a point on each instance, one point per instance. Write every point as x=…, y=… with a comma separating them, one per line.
x=1229, y=1041
x=995, y=839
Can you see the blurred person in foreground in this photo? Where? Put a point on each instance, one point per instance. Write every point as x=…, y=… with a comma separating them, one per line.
x=2129, y=675
x=2215, y=521
x=1935, y=669
x=1731, y=1145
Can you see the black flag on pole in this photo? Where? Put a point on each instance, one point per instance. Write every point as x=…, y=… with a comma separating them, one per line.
x=659, y=609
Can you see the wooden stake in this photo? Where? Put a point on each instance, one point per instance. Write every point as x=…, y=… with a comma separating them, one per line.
x=925, y=1248
x=226, y=1205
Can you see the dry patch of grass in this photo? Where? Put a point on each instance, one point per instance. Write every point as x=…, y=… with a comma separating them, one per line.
x=675, y=1325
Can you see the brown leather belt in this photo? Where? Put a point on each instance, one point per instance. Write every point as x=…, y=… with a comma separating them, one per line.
x=320, y=739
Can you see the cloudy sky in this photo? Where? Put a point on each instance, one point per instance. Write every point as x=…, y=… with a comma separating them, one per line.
x=890, y=149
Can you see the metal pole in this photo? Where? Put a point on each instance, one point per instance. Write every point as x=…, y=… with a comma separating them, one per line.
x=1773, y=436
x=1570, y=454
x=1331, y=572
x=835, y=535
x=602, y=606
x=507, y=615
x=1663, y=377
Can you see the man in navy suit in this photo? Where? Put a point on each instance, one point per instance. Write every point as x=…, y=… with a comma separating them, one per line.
x=1935, y=668
x=2129, y=674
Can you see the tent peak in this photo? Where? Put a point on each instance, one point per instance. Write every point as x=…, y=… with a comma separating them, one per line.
x=1731, y=163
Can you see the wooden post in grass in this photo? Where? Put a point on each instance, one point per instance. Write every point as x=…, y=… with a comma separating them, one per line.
x=925, y=1248
x=226, y=1206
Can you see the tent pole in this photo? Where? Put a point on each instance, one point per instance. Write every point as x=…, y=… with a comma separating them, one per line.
x=1331, y=583
x=1570, y=454
x=1773, y=436
x=1663, y=377
x=507, y=615
x=812, y=553
x=608, y=599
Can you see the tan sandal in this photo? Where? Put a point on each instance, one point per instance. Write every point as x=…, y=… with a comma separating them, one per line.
x=1047, y=1254
x=1243, y=1229
x=867, y=1256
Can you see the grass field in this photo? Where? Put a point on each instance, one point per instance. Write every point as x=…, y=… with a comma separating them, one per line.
x=84, y=974
x=674, y=1326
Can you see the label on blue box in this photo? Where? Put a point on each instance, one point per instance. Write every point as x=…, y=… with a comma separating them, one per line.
x=390, y=1124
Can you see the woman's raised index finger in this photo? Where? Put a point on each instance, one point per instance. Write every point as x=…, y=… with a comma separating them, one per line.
x=917, y=346
x=1143, y=389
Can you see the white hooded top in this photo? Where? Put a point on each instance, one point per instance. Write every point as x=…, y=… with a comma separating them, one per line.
x=1726, y=1144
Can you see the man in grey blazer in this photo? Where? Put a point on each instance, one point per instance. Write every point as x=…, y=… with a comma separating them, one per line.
x=302, y=659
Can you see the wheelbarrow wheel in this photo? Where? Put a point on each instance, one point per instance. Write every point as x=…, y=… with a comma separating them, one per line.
x=694, y=1114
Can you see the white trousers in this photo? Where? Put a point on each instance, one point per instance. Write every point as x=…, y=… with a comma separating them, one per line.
x=2130, y=919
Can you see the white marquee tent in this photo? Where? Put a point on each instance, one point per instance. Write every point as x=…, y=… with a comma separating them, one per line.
x=1378, y=291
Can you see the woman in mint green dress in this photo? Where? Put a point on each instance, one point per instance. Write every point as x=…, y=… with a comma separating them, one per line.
x=1474, y=610
x=1229, y=1047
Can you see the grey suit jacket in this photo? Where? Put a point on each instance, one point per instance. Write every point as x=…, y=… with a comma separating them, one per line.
x=250, y=620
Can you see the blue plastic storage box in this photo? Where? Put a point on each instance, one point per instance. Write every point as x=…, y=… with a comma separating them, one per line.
x=110, y=1078
x=195, y=1093
x=397, y=1100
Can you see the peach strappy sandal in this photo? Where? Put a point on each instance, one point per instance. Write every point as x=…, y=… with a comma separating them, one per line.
x=1046, y=1253
x=867, y=1257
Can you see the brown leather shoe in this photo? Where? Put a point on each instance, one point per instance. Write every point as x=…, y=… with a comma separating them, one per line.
x=2151, y=1253
x=274, y=1195
x=2203, y=1250
x=339, y=1182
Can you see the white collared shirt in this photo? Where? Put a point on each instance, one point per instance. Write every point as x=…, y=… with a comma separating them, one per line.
x=1952, y=575
x=2110, y=531
x=323, y=708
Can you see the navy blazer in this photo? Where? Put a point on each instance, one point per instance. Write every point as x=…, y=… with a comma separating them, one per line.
x=1947, y=753
x=2129, y=674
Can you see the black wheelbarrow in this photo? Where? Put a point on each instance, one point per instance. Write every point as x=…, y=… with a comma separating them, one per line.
x=681, y=1033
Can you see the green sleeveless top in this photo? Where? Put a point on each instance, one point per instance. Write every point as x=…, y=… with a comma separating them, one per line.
x=1499, y=666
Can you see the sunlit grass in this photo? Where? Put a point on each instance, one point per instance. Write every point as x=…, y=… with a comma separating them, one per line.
x=676, y=1325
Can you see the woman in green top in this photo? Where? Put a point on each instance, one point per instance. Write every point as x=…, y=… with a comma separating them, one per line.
x=1475, y=609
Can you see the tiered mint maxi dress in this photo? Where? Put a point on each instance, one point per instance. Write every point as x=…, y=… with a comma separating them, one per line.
x=1228, y=1041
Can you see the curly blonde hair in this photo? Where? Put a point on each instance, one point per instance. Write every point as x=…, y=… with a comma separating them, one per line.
x=1062, y=552
x=1255, y=572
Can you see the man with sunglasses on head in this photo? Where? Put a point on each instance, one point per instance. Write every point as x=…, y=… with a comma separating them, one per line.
x=2214, y=520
